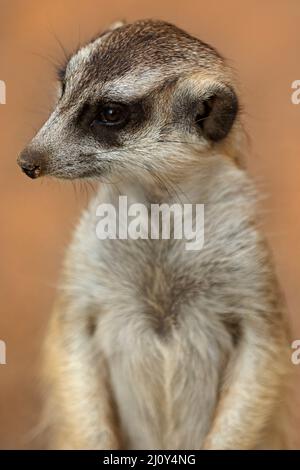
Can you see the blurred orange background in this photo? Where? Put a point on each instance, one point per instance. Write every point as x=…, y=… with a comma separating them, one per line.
x=261, y=39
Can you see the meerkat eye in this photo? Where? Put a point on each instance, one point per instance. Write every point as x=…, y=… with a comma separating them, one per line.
x=112, y=114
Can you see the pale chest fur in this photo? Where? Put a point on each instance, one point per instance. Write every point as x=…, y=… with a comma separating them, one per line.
x=167, y=319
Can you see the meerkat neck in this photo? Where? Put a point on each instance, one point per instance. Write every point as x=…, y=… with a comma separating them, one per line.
x=197, y=184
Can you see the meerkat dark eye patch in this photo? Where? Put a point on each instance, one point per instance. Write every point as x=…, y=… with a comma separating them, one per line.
x=107, y=121
x=216, y=114
x=113, y=123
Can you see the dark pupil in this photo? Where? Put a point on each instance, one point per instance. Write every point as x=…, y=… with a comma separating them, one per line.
x=112, y=114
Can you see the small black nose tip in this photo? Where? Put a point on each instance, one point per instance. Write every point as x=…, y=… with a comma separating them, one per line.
x=30, y=163
x=33, y=172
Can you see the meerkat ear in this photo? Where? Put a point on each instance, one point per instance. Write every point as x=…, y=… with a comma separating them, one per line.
x=210, y=106
x=216, y=111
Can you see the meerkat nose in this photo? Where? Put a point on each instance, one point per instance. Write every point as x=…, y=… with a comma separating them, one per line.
x=30, y=163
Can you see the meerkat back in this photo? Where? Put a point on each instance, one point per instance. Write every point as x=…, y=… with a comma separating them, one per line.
x=155, y=343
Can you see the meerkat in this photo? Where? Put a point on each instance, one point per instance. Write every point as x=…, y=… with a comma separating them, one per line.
x=151, y=346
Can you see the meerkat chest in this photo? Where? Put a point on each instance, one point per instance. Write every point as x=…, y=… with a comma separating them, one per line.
x=166, y=352
x=165, y=384
x=161, y=324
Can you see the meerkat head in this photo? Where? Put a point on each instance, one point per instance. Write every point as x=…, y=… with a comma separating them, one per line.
x=140, y=97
